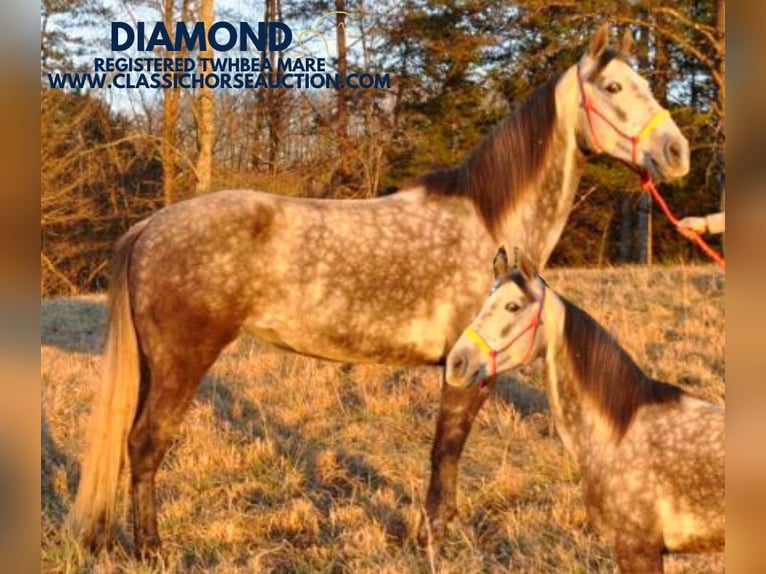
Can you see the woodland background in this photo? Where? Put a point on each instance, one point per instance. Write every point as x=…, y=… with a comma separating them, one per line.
x=456, y=69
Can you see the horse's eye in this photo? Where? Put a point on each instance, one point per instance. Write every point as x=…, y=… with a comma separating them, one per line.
x=613, y=87
x=512, y=307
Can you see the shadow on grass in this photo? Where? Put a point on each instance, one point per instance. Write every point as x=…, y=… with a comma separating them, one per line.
x=53, y=461
x=73, y=324
x=709, y=285
x=355, y=476
x=525, y=399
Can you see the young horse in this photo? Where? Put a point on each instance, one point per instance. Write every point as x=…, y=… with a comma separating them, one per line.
x=651, y=456
x=341, y=279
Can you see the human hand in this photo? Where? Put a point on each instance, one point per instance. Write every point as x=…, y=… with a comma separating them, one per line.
x=690, y=226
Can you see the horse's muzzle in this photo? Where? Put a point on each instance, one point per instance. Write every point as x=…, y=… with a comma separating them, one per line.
x=676, y=152
x=460, y=372
x=672, y=159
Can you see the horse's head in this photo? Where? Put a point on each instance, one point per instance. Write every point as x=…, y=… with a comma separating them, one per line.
x=505, y=333
x=619, y=115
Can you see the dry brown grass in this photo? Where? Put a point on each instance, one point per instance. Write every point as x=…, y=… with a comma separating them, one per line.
x=289, y=464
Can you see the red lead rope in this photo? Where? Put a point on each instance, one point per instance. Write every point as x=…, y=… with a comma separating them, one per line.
x=647, y=184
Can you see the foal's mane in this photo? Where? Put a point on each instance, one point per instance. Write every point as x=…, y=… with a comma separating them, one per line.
x=607, y=373
x=505, y=162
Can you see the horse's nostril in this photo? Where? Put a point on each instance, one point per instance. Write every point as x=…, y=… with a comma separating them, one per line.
x=458, y=364
x=674, y=152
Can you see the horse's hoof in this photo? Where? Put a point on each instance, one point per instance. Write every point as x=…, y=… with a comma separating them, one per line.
x=150, y=551
x=431, y=532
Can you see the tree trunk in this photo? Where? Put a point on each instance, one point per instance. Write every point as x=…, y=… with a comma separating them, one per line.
x=644, y=219
x=340, y=32
x=341, y=183
x=720, y=25
x=274, y=97
x=721, y=93
x=660, y=66
x=205, y=111
x=626, y=230
x=644, y=244
x=169, y=121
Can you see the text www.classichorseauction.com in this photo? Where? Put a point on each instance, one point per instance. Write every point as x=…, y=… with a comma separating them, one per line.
x=126, y=72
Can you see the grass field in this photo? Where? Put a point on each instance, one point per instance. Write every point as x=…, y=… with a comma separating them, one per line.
x=290, y=464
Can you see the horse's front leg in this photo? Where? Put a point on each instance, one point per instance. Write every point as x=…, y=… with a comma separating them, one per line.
x=639, y=554
x=456, y=414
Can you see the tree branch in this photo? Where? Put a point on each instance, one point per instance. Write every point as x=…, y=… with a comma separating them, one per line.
x=708, y=32
x=52, y=268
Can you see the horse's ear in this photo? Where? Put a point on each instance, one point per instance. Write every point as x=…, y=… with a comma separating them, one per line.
x=599, y=39
x=527, y=268
x=626, y=44
x=500, y=263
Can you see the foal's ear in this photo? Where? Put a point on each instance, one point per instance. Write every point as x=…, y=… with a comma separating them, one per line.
x=526, y=267
x=599, y=39
x=500, y=263
x=626, y=44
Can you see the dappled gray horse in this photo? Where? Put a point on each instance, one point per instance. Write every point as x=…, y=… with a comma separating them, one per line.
x=651, y=456
x=343, y=280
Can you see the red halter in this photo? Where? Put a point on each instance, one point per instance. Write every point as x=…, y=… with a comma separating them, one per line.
x=471, y=333
x=590, y=109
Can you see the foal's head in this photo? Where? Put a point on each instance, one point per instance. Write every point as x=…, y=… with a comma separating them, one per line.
x=618, y=114
x=506, y=333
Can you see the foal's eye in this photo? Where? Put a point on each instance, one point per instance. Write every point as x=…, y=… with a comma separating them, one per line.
x=512, y=307
x=613, y=87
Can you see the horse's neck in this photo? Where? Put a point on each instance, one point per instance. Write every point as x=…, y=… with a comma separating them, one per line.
x=536, y=223
x=583, y=430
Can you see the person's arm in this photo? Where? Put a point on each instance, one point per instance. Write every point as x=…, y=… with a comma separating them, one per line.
x=715, y=222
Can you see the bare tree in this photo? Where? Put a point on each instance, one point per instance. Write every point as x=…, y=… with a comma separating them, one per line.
x=170, y=111
x=274, y=97
x=205, y=111
x=340, y=34
x=721, y=36
x=644, y=219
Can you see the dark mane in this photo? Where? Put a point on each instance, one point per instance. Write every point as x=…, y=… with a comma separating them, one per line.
x=606, y=372
x=505, y=162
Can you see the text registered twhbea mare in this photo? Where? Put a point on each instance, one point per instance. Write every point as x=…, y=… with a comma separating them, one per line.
x=651, y=456
x=342, y=279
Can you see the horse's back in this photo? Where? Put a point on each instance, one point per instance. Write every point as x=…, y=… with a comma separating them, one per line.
x=336, y=279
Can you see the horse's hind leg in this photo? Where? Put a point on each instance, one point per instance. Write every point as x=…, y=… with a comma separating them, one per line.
x=169, y=383
x=456, y=414
x=165, y=398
